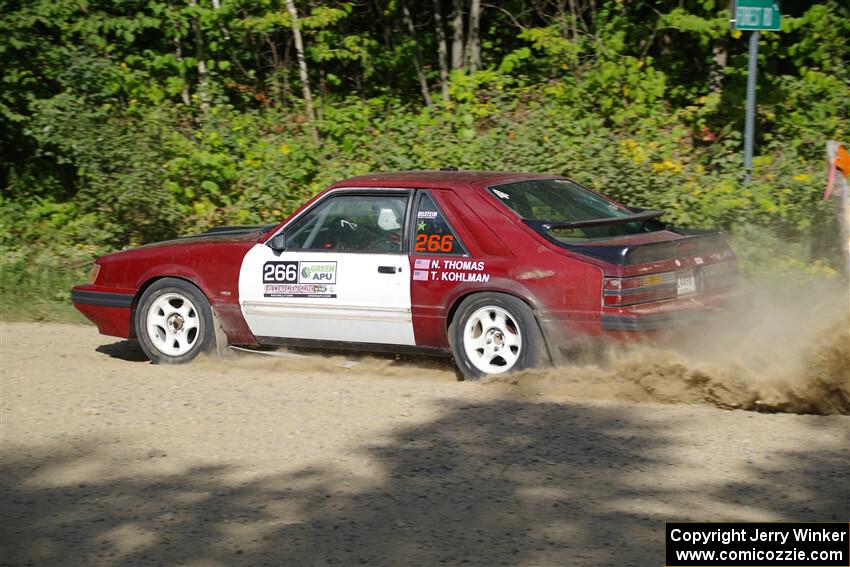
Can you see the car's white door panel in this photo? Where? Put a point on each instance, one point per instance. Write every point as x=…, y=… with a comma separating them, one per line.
x=326, y=296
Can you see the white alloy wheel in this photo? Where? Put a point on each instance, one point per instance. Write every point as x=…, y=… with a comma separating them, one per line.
x=492, y=340
x=173, y=324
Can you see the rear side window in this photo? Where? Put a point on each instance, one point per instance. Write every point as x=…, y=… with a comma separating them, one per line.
x=432, y=232
x=557, y=200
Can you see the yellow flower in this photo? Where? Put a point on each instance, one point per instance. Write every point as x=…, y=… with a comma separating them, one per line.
x=667, y=165
x=803, y=177
x=284, y=149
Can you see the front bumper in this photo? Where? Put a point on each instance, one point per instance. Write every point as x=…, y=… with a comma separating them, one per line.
x=111, y=311
x=102, y=298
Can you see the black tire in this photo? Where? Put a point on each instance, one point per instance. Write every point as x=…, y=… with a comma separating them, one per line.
x=174, y=322
x=477, y=311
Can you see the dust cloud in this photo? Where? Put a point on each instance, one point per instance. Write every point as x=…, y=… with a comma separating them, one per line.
x=786, y=350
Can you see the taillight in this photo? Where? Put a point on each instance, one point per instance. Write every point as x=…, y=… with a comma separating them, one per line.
x=95, y=270
x=617, y=292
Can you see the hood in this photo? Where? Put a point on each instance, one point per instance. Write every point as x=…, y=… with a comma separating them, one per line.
x=220, y=235
x=240, y=233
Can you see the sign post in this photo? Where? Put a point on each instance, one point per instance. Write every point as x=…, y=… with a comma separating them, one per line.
x=753, y=15
x=750, y=116
x=838, y=160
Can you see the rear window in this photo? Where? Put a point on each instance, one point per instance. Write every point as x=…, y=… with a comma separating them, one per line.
x=562, y=200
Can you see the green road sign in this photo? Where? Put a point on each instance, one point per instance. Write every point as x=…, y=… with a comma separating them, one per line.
x=756, y=15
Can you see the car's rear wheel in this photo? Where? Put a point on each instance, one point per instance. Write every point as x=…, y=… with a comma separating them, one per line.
x=174, y=322
x=494, y=333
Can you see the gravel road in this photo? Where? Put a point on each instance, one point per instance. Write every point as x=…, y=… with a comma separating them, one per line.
x=347, y=460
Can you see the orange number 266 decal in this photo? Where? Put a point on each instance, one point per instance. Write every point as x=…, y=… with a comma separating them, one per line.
x=434, y=242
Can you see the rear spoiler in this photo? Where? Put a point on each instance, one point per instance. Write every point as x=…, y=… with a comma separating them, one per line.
x=636, y=217
x=693, y=242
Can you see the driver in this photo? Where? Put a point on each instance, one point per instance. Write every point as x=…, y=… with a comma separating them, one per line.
x=390, y=240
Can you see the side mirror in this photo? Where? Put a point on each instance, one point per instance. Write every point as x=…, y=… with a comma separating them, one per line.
x=278, y=242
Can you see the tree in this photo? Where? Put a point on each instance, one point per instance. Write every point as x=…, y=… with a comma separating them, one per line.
x=442, y=51
x=417, y=55
x=457, y=35
x=302, y=70
x=200, y=57
x=473, y=44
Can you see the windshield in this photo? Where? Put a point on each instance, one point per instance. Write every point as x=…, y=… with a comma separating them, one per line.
x=562, y=200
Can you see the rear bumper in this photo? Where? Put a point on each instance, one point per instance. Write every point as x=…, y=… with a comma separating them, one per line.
x=646, y=323
x=673, y=314
x=643, y=321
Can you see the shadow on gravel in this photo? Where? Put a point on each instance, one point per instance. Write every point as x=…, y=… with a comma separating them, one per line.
x=499, y=483
x=128, y=350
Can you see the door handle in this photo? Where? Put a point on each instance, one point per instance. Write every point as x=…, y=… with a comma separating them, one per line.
x=386, y=269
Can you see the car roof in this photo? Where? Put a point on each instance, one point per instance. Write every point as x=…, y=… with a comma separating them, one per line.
x=438, y=179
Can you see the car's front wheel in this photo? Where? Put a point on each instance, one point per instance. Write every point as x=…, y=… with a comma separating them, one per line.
x=494, y=333
x=174, y=322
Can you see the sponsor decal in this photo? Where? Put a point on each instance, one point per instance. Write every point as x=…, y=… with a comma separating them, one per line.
x=450, y=271
x=280, y=272
x=426, y=215
x=317, y=272
x=299, y=290
x=299, y=279
x=436, y=243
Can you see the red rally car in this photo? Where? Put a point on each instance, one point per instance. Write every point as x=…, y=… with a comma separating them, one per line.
x=501, y=270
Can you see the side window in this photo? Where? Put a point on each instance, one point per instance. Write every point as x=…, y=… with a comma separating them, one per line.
x=351, y=223
x=433, y=235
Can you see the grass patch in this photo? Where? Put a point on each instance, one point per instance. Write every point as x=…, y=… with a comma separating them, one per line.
x=37, y=293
